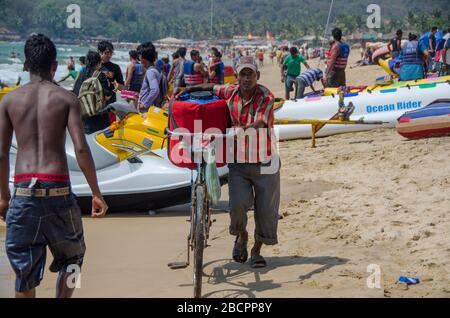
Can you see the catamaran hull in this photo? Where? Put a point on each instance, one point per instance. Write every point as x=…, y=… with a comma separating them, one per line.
x=382, y=105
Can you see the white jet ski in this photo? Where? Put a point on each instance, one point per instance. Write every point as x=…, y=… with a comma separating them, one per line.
x=143, y=182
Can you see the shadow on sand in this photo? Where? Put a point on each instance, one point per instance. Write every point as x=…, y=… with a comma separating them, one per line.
x=226, y=271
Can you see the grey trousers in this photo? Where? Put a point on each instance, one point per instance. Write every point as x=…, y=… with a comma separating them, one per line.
x=247, y=188
x=300, y=89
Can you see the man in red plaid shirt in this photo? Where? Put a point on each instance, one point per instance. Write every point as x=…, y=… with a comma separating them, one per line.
x=254, y=176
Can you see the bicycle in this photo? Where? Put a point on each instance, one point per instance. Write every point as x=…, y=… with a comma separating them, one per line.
x=200, y=219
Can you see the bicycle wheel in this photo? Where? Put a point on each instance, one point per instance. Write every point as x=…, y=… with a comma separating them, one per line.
x=199, y=240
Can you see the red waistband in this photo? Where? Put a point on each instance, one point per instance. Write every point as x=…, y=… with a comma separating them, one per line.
x=41, y=176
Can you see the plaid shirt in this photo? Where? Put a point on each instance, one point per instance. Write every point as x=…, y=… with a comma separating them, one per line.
x=258, y=108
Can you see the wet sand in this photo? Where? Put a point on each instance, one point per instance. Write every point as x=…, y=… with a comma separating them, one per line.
x=357, y=199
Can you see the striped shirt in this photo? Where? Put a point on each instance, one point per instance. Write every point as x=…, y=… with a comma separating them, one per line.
x=311, y=75
x=258, y=108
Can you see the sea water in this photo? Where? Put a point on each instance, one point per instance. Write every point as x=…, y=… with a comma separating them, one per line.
x=12, y=69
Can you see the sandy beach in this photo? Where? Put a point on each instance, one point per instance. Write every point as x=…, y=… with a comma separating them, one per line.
x=355, y=200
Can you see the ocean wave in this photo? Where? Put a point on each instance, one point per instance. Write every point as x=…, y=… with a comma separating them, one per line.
x=9, y=73
x=11, y=69
x=10, y=77
x=15, y=60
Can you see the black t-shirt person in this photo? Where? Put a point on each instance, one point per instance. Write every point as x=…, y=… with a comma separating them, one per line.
x=113, y=73
x=433, y=43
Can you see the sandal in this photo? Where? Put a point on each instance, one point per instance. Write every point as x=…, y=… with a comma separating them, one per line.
x=240, y=254
x=257, y=261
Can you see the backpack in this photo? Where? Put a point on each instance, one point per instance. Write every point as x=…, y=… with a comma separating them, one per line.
x=91, y=96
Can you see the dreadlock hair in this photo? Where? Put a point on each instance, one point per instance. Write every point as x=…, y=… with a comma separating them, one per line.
x=40, y=54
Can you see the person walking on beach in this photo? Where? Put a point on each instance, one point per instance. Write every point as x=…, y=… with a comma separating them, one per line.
x=278, y=55
x=284, y=55
x=337, y=60
x=292, y=64
x=362, y=49
x=43, y=211
x=272, y=55
x=306, y=51
x=251, y=107
x=261, y=58
x=236, y=57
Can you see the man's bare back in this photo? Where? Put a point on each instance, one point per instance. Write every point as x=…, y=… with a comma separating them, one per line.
x=39, y=114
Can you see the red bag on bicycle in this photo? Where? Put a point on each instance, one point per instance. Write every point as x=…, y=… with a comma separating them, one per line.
x=212, y=117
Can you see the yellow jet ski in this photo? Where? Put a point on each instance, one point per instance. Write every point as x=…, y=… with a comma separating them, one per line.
x=6, y=90
x=134, y=133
